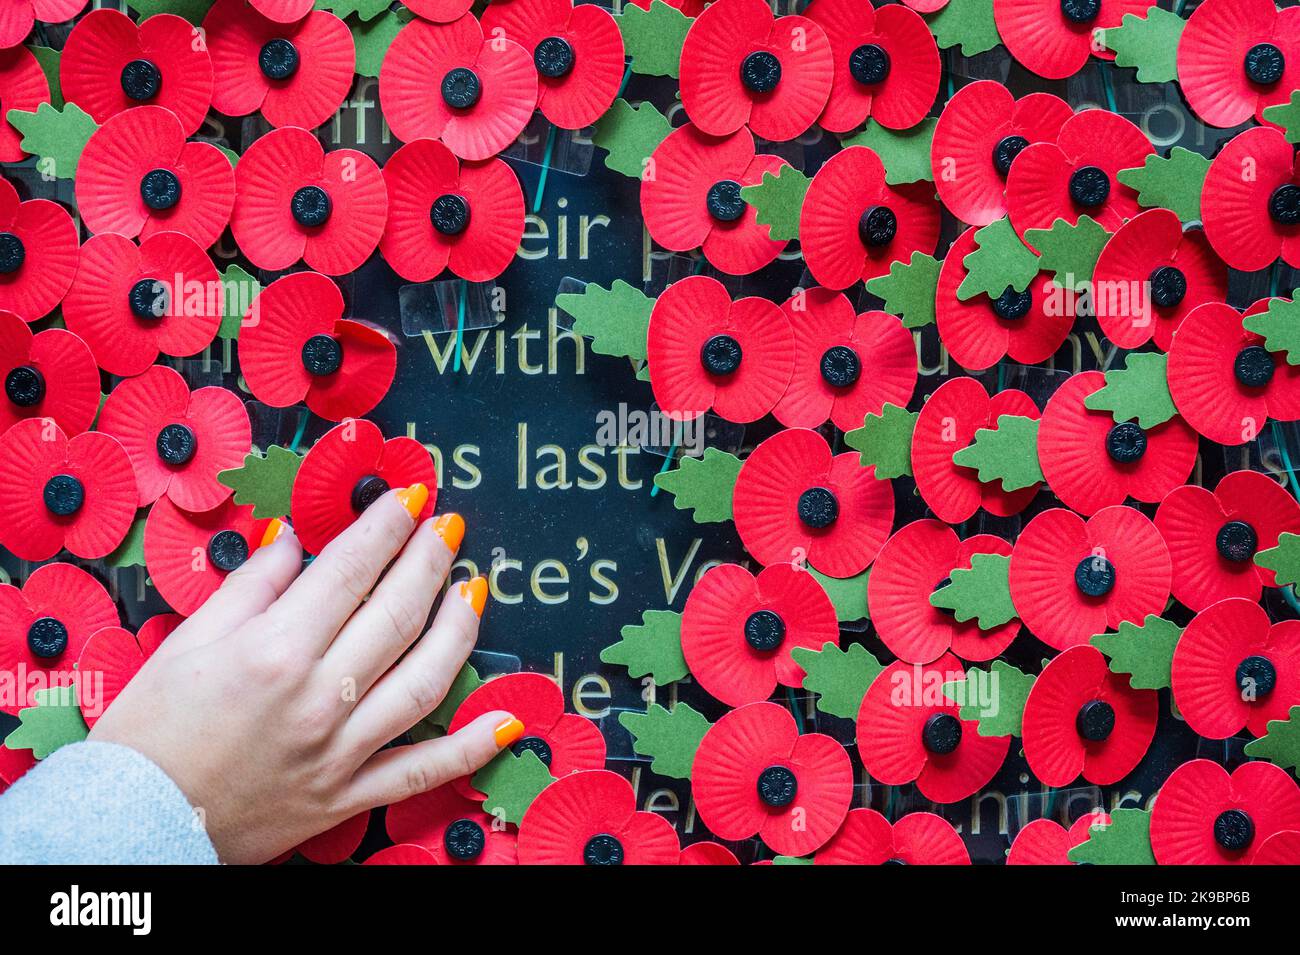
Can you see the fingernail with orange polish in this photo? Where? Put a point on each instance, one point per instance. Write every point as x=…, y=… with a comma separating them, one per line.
x=475, y=593
x=413, y=498
x=451, y=528
x=273, y=532
x=507, y=732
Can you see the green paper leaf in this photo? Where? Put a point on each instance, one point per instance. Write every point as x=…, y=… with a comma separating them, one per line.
x=885, y=441
x=616, y=319
x=629, y=134
x=653, y=38
x=839, y=677
x=1069, y=250
x=1281, y=744
x=1000, y=260
x=1172, y=183
x=1138, y=391
x=1126, y=841
x=1287, y=115
x=130, y=553
x=995, y=699
x=511, y=783
x=669, y=737
x=909, y=289
x=792, y=860
x=968, y=23
x=905, y=153
x=848, y=594
x=778, y=200
x=982, y=592
x=1283, y=560
x=55, y=136
x=266, y=482
x=231, y=156
x=240, y=289
x=652, y=648
x=1280, y=326
x=53, y=722
x=372, y=40
x=1150, y=43
x=705, y=484
x=362, y=9
x=1145, y=651
x=49, y=63
x=466, y=682
x=192, y=10
x=1007, y=453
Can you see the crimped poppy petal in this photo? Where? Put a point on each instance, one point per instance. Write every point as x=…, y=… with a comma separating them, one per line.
x=1235, y=199
x=23, y=86
x=70, y=380
x=176, y=549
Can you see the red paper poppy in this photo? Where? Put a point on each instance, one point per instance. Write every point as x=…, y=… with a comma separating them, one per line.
x=297, y=74
x=1203, y=816
x=690, y=198
x=1236, y=57
x=442, y=214
x=590, y=818
x=980, y=132
x=110, y=65
x=18, y=16
x=188, y=555
x=58, y=492
x=1080, y=718
x=23, y=86
x=947, y=423
x=445, y=81
x=1076, y=175
x=1149, y=277
x=707, y=853
x=44, y=626
x=282, y=11
x=1044, y=842
x=577, y=51
x=1235, y=670
x=1281, y=848
x=706, y=351
x=755, y=775
x=1028, y=326
x=14, y=763
x=38, y=254
x=846, y=366
x=1054, y=38
x=909, y=731
x=454, y=830
x=177, y=440
x=1213, y=536
x=346, y=470
x=138, y=176
x=738, y=629
x=402, y=854
x=336, y=845
x=886, y=65
x=741, y=66
x=1223, y=380
x=563, y=742
x=440, y=11
x=854, y=226
x=112, y=656
x=1071, y=579
x=296, y=345
x=795, y=501
x=1251, y=200
x=919, y=838
x=915, y=562
x=1091, y=462
x=51, y=374
x=129, y=303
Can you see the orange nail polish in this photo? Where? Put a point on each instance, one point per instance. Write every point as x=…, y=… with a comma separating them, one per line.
x=507, y=732
x=413, y=498
x=475, y=593
x=273, y=532
x=451, y=528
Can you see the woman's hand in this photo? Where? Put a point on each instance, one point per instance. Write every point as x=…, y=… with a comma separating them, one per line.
x=270, y=705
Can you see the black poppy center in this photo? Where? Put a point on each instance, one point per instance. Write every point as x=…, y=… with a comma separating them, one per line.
x=449, y=214
x=818, y=507
x=1168, y=286
x=64, y=495
x=723, y=201
x=368, y=490
x=227, y=550
x=764, y=630
x=1094, y=576
x=1089, y=186
x=840, y=366
x=777, y=786
x=1095, y=721
x=461, y=88
x=25, y=386
x=720, y=355
x=311, y=206
x=12, y=253
x=322, y=355
x=602, y=849
x=1080, y=11
x=160, y=189
x=141, y=80
x=1006, y=151
x=1253, y=366
x=176, y=444
x=1236, y=541
x=553, y=57
x=877, y=226
x=1011, y=306
x=149, y=299
x=464, y=840
x=1256, y=677
x=760, y=71
x=869, y=64
x=47, y=638
x=535, y=745
x=1264, y=64
x=1284, y=204
x=941, y=734
x=1126, y=442
x=278, y=59
x=1234, y=830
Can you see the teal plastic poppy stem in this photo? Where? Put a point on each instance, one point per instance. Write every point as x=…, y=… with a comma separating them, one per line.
x=1104, y=70
x=668, y=461
x=546, y=168
x=302, y=429
x=460, y=322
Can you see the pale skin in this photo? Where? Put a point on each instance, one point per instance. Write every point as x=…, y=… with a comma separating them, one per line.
x=269, y=706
